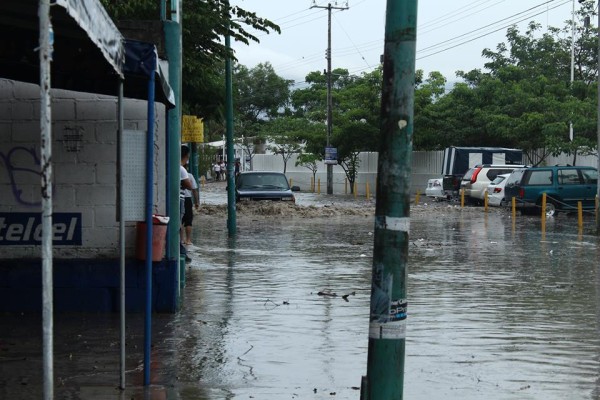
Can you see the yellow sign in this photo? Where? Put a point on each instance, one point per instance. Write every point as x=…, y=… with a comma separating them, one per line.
x=192, y=129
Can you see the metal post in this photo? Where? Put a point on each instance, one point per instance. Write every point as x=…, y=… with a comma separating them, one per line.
x=598, y=121
x=149, y=206
x=172, y=30
x=231, y=215
x=387, y=328
x=121, y=157
x=46, y=47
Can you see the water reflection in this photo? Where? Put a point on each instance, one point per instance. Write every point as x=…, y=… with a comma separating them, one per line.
x=494, y=311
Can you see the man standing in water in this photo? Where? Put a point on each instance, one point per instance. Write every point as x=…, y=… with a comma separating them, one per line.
x=184, y=184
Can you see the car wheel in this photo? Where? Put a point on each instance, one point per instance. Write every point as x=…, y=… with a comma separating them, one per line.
x=551, y=209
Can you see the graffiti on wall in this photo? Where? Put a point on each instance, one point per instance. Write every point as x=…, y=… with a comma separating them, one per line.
x=20, y=161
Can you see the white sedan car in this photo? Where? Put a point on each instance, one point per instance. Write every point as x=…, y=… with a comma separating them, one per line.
x=435, y=189
x=496, y=191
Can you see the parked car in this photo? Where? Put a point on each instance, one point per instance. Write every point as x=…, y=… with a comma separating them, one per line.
x=257, y=185
x=496, y=191
x=434, y=188
x=477, y=179
x=564, y=186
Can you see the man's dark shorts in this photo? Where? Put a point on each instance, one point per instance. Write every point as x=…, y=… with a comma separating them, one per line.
x=188, y=214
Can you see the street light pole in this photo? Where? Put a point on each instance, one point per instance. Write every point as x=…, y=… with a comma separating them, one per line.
x=329, y=98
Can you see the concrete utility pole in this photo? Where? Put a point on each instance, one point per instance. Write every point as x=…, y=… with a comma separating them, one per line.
x=387, y=325
x=329, y=99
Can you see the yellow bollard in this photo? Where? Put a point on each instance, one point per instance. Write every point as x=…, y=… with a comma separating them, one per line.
x=543, y=214
x=596, y=210
x=312, y=184
x=462, y=198
x=579, y=215
x=368, y=192
x=290, y=182
x=319, y=186
x=417, y=198
x=485, y=201
x=514, y=207
x=355, y=189
x=346, y=186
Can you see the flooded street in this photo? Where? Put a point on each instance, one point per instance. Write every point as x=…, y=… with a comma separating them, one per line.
x=493, y=312
x=496, y=311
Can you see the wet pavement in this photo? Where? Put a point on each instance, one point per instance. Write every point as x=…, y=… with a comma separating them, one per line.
x=496, y=311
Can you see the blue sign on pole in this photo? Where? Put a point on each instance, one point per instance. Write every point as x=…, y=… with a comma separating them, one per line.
x=331, y=155
x=21, y=229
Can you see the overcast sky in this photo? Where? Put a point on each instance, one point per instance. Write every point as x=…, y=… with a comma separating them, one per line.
x=450, y=33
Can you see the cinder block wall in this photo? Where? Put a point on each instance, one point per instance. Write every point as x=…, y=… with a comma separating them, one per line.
x=425, y=165
x=84, y=160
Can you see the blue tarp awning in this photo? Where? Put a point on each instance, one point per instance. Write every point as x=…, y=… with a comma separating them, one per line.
x=139, y=57
x=89, y=51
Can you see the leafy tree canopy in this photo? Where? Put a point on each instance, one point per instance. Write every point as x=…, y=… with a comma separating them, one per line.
x=204, y=24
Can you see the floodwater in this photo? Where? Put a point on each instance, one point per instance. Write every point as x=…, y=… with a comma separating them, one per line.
x=493, y=312
x=496, y=310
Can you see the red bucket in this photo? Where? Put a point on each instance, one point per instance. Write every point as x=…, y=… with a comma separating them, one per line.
x=159, y=234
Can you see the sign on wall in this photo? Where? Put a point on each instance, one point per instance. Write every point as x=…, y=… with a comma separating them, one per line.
x=26, y=229
x=192, y=129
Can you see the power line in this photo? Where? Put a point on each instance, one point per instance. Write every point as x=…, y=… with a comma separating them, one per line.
x=379, y=44
x=529, y=10
x=488, y=33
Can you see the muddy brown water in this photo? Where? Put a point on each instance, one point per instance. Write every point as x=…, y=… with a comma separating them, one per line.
x=496, y=311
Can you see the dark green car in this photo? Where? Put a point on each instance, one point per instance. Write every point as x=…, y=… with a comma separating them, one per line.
x=564, y=186
x=259, y=185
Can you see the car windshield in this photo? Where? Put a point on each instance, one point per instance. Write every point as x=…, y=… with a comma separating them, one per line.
x=262, y=181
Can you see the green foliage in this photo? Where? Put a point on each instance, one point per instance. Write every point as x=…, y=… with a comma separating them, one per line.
x=286, y=135
x=310, y=161
x=524, y=100
x=204, y=24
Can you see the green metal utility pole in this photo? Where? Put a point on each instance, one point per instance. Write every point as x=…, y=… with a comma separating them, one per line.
x=231, y=215
x=173, y=47
x=387, y=325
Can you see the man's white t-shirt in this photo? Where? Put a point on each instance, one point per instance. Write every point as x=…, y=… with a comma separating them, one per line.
x=188, y=192
x=183, y=175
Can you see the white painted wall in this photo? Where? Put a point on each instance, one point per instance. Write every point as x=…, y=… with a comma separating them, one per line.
x=85, y=180
x=425, y=165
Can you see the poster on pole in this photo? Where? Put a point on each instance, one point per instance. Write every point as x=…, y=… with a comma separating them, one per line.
x=331, y=155
x=192, y=129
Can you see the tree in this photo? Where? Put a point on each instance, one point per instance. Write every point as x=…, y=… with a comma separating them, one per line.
x=285, y=136
x=310, y=161
x=204, y=24
x=523, y=100
x=259, y=95
x=351, y=139
x=355, y=115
